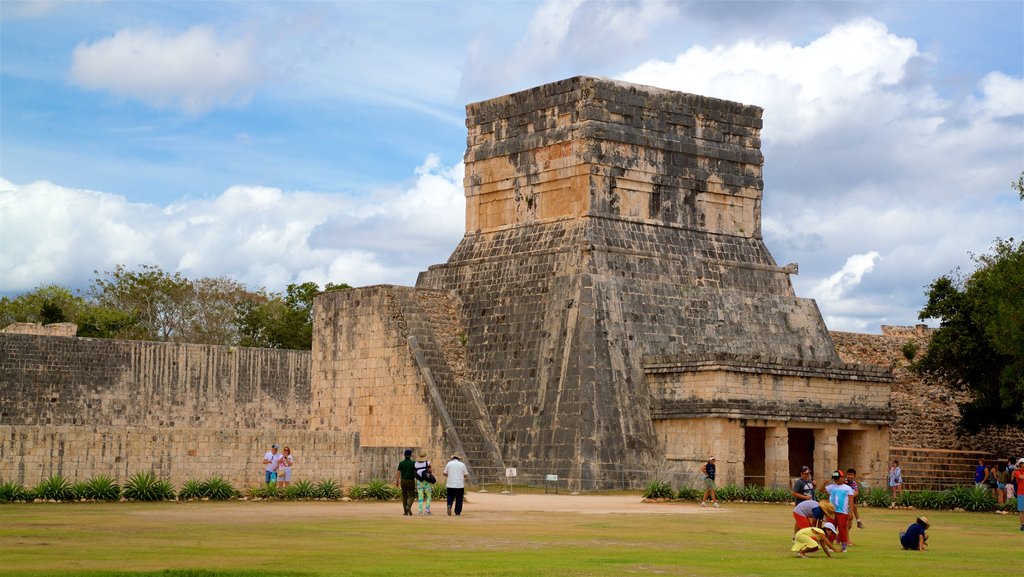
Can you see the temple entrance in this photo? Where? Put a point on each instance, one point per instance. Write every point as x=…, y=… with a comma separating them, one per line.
x=850, y=449
x=753, y=456
x=801, y=450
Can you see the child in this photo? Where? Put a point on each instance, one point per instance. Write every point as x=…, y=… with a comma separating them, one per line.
x=811, y=539
x=915, y=538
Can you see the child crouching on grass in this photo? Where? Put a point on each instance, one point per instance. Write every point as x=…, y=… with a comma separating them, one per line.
x=811, y=539
x=915, y=538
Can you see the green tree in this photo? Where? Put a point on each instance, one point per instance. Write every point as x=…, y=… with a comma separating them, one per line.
x=46, y=304
x=283, y=321
x=979, y=346
x=160, y=303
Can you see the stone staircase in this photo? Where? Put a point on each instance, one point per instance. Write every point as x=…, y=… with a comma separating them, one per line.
x=431, y=317
x=937, y=469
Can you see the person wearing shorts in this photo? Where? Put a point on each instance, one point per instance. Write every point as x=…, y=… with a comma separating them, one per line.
x=709, y=482
x=284, y=467
x=1018, y=481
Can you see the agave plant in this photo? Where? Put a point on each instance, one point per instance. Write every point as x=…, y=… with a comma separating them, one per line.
x=101, y=488
x=80, y=490
x=327, y=489
x=689, y=493
x=146, y=487
x=876, y=497
x=191, y=489
x=54, y=487
x=303, y=489
x=11, y=491
x=729, y=493
x=217, y=489
x=658, y=490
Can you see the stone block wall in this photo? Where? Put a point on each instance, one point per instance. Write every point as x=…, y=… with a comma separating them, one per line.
x=640, y=152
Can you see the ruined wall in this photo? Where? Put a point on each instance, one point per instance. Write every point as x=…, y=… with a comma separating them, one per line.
x=365, y=377
x=82, y=407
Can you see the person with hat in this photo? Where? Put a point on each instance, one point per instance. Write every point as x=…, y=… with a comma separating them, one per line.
x=841, y=496
x=803, y=490
x=915, y=538
x=270, y=460
x=709, y=482
x=405, y=478
x=424, y=481
x=811, y=539
x=812, y=513
x=455, y=473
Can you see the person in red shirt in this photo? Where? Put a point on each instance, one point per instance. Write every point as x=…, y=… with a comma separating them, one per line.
x=1018, y=480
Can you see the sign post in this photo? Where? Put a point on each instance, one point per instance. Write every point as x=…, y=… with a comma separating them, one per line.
x=509, y=473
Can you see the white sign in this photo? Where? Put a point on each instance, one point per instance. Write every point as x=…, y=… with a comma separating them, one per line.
x=510, y=472
x=552, y=477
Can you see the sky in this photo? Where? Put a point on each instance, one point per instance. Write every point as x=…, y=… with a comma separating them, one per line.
x=281, y=142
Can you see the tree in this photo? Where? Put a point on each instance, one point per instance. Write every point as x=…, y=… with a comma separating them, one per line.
x=281, y=321
x=46, y=304
x=979, y=346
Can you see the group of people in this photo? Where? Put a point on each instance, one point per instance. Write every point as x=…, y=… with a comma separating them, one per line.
x=416, y=480
x=278, y=466
x=1005, y=482
x=826, y=524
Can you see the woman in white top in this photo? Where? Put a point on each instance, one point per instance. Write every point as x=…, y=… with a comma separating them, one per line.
x=424, y=489
x=284, y=468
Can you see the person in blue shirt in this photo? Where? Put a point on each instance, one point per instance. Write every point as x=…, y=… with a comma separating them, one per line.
x=915, y=538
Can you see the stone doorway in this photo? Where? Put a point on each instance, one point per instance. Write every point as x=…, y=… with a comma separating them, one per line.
x=801, y=450
x=754, y=456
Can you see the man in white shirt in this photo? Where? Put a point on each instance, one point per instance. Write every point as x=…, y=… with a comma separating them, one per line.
x=270, y=460
x=455, y=473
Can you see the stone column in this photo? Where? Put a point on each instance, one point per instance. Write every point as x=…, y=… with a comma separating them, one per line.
x=826, y=453
x=776, y=457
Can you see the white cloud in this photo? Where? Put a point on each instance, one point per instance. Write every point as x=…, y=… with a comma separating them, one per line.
x=264, y=237
x=857, y=265
x=192, y=71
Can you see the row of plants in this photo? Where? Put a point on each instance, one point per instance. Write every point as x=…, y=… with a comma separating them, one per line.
x=147, y=487
x=966, y=498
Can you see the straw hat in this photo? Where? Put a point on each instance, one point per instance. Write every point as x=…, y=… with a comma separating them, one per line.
x=827, y=507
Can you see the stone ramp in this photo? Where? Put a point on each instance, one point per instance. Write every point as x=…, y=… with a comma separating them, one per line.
x=432, y=318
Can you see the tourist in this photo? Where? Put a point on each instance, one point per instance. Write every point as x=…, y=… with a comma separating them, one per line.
x=812, y=514
x=284, y=468
x=811, y=539
x=895, y=481
x=1011, y=491
x=803, y=491
x=708, y=469
x=841, y=496
x=424, y=482
x=455, y=473
x=270, y=459
x=915, y=538
x=851, y=480
x=980, y=472
x=405, y=477
x=1018, y=482
x=992, y=480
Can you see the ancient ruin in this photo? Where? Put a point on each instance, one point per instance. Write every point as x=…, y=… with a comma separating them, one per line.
x=611, y=313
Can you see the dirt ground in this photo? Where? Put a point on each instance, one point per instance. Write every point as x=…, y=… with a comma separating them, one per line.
x=493, y=506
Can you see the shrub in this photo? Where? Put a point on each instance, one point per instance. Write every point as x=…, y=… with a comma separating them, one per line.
x=440, y=491
x=79, y=490
x=328, y=489
x=876, y=497
x=729, y=493
x=976, y=499
x=217, y=489
x=909, y=349
x=689, y=493
x=377, y=489
x=101, y=488
x=658, y=490
x=303, y=489
x=54, y=487
x=268, y=491
x=12, y=491
x=146, y=487
x=191, y=489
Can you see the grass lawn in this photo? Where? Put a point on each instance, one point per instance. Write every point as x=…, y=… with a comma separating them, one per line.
x=280, y=539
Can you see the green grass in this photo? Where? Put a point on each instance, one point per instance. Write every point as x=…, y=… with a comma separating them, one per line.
x=292, y=539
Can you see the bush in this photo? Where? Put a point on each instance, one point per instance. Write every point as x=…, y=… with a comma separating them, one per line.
x=268, y=491
x=376, y=489
x=876, y=497
x=440, y=491
x=303, y=489
x=689, y=493
x=12, y=491
x=146, y=487
x=972, y=499
x=191, y=489
x=658, y=490
x=217, y=489
x=328, y=489
x=729, y=493
x=55, y=488
x=909, y=349
x=101, y=488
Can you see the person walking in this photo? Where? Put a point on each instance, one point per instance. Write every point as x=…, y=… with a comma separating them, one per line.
x=895, y=481
x=709, y=471
x=284, y=467
x=455, y=473
x=405, y=478
x=270, y=459
x=1018, y=481
x=424, y=484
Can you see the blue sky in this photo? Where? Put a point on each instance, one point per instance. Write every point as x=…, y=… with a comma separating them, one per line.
x=284, y=142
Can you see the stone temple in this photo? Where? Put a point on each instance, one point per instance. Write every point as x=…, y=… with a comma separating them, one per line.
x=612, y=313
